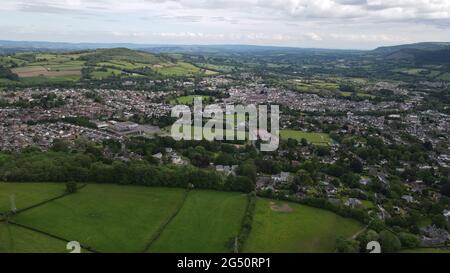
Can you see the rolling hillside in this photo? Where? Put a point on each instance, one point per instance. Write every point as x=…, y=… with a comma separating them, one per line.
x=99, y=64
x=420, y=54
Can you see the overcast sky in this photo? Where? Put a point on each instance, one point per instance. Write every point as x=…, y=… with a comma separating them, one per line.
x=302, y=23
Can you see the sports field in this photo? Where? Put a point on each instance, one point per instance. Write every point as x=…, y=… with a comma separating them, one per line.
x=282, y=227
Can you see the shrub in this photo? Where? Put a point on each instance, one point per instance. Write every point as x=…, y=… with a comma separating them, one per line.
x=389, y=242
x=409, y=240
x=71, y=187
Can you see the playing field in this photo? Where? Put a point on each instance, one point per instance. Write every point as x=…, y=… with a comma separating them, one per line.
x=215, y=133
x=107, y=218
x=206, y=223
x=27, y=194
x=14, y=239
x=293, y=228
x=314, y=138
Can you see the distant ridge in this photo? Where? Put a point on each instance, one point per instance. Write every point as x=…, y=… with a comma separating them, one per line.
x=417, y=46
x=157, y=48
x=419, y=53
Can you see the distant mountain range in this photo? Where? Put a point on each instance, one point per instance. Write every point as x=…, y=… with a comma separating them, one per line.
x=419, y=53
x=158, y=48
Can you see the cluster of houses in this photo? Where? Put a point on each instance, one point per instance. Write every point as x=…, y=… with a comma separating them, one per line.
x=35, y=125
x=171, y=156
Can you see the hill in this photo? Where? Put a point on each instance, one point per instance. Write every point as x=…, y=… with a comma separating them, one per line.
x=431, y=46
x=421, y=57
x=37, y=68
x=417, y=54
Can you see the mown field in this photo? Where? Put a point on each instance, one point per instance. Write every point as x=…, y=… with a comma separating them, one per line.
x=280, y=227
x=314, y=138
x=113, y=218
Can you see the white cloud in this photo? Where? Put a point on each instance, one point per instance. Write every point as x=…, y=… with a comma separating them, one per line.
x=290, y=22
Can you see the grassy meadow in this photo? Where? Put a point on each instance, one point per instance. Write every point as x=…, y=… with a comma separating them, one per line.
x=206, y=223
x=15, y=239
x=314, y=138
x=281, y=227
x=113, y=218
x=27, y=194
x=107, y=218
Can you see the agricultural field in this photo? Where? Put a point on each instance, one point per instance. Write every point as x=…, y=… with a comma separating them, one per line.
x=218, y=68
x=188, y=100
x=206, y=223
x=113, y=218
x=27, y=194
x=428, y=72
x=41, y=68
x=282, y=227
x=107, y=218
x=412, y=71
x=48, y=71
x=315, y=86
x=313, y=138
x=427, y=250
x=99, y=75
x=358, y=94
x=182, y=69
x=445, y=77
x=14, y=239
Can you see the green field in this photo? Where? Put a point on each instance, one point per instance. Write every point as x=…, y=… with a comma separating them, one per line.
x=445, y=77
x=27, y=194
x=182, y=69
x=99, y=75
x=358, y=94
x=426, y=250
x=314, y=86
x=113, y=218
x=107, y=218
x=207, y=221
x=14, y=239
x=216, y=133
x=412, y=71
x=188, y=100
x=219, y=68
x=314, y=138
x=51, y=68
x=293, y=228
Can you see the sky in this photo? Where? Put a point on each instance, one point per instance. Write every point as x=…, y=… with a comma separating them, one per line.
x=352, y=24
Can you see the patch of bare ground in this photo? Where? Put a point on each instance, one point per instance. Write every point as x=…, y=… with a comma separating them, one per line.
x=283, y=207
